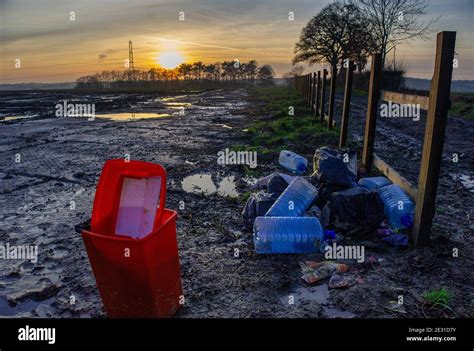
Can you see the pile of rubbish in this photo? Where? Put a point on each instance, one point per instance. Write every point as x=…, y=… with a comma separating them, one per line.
x=301, y=214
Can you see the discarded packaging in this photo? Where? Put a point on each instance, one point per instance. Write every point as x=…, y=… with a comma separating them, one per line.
x=338, y=281
x=330, y=234
x=294, y=200
x=398, y=207
x=313, y=271
x=374, y=183
x=131, y=244
x=287, y=235
x=293, y=162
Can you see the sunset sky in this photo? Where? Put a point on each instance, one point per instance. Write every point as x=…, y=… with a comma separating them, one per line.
x=54, y=49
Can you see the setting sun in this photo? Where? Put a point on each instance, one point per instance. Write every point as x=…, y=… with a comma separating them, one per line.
x=170, y=59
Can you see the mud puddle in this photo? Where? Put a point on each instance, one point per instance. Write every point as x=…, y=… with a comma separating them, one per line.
x=303, y=295
x=466, y=180
x=131, y=116
x=204, y=184
x=14, y=118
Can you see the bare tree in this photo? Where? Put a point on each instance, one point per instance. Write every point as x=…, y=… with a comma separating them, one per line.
x=338, y=31
x=295, y=71
x=395, y=21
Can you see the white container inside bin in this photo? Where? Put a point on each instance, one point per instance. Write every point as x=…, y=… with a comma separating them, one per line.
x=137, y=209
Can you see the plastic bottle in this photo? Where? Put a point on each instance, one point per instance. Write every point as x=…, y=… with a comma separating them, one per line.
x=313, y=211
x=294, y=201
x=330, y=234
x=374, y=183
x=398, y=207
x=287, y=235
x=293, y=162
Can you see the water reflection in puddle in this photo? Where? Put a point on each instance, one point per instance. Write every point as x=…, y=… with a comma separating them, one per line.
x=171, y=98
x=177, y=104
x=7, y=310
x=318, y=294
x=203, y=184
x=131, y=116
x=14, y=118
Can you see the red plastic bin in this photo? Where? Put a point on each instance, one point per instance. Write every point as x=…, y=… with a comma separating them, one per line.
x=136, y=277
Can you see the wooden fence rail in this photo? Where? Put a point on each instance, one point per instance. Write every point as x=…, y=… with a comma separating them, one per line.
x=313, y=88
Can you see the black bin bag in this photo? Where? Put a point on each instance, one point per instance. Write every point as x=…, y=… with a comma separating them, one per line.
x=355, y=210
x=336, y=167
x=276, y=184
x=257, y=205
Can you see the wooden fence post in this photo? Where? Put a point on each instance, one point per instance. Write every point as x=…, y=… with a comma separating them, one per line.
x=434, y=138
x=332, y=96
x=347, y=105
x=306, y=86
x=310, y=88
x=302, y=84
x=305, y=91
x=318, y=93
x=313, y=79
x=372, y=107
x=323, y=96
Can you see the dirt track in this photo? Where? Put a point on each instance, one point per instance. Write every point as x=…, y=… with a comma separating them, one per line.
x=61, y=160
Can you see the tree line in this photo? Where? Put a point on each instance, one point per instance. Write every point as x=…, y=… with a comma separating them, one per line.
x=227, y=71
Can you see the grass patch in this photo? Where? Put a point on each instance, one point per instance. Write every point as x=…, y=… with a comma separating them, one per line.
x=441, y=297
x=462, y=105
x=238, y=148
x=245, y=196
x=250, y=172
x=360, y=92
x=292, y=126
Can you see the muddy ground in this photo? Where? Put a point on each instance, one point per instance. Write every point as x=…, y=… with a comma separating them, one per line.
x=60, y=162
